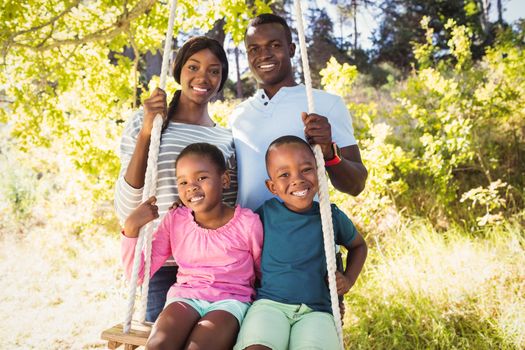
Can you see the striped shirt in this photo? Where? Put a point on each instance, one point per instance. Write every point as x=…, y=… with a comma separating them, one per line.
x=173, y=140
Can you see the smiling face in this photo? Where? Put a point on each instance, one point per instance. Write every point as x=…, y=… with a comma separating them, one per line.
x=200, y=77
x=200, y=183
x=269, y=54
x=293, y=175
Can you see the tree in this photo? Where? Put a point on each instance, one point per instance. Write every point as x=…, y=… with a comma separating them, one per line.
x=400, y=27
x=350, y=9
x=66, y=79
x=321, y=44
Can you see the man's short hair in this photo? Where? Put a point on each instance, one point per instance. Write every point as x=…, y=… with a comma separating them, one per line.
x=267, y=18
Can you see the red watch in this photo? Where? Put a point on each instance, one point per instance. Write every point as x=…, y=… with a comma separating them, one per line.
x=337, y=156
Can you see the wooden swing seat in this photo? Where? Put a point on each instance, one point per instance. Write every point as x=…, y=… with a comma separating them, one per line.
x=137, y=336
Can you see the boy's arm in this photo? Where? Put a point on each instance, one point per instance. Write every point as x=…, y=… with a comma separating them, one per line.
x=355, y=260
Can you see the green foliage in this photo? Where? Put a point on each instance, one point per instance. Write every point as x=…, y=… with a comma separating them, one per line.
x=448, y=140
x=488, y=198
x=17, y=188
x=67, y=81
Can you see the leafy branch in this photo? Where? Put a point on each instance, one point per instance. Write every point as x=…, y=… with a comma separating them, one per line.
x=107, y=33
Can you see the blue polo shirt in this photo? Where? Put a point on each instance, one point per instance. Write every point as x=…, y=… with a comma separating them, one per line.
x=293, y=262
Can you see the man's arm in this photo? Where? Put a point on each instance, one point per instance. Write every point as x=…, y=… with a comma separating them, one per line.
x=349, y=176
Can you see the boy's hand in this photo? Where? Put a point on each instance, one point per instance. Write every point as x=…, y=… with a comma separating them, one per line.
x=342, y=283
x=318, y=131
x=139, y=217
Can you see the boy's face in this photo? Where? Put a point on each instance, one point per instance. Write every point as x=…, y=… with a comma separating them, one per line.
x=269, y=54
x=200, y=183
x=293, y=175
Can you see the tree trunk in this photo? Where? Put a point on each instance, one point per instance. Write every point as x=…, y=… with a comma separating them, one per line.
x=500, y=12
x=217, y=33
x=354, y=10
x=238, y=68
x=483, y=15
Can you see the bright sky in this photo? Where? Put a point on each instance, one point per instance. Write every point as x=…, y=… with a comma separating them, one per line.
x=366, y=20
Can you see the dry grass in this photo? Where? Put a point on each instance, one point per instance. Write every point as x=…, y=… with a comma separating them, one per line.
x=60, y=291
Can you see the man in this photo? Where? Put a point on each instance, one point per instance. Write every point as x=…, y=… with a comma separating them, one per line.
x=278, y=108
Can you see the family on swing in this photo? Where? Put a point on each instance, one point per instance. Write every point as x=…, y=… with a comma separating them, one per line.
x=240, y=264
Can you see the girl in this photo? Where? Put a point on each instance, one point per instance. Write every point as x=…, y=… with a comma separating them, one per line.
x=201, y=68
x=216, y=247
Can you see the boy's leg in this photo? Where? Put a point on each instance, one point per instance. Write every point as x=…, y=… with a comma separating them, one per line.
x=266, y=323
x=173, y=326
x=159, y=285
x=314, y=330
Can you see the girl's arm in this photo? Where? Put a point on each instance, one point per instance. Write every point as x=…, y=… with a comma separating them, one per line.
x=161, y=246
x=256, y=241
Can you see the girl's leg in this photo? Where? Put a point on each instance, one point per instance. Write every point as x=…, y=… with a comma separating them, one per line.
x=173, y=326
x=217, y=330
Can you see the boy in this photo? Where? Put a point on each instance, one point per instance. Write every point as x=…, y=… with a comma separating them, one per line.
x=292, y=308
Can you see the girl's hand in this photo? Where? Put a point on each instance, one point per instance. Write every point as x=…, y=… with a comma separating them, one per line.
x=139, y=217
x=153, y=105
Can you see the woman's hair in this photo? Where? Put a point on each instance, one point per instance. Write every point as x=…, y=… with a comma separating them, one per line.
x=204, y=149
x=188, y=49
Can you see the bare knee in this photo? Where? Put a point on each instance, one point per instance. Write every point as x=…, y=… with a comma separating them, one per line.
x=159, y=342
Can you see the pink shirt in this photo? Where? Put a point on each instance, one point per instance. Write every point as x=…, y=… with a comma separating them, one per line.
x=213, y=264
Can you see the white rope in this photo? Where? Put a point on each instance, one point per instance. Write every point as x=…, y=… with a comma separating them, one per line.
x=150, y=188
x=324, y=196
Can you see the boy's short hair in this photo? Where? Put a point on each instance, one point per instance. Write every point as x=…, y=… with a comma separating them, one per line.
x=203, y=149
x=284, y=140
x=267, y=18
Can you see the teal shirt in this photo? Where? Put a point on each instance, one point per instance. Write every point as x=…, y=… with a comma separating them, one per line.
x=293, y=261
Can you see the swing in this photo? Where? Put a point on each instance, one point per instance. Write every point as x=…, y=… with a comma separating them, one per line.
x=136, y=333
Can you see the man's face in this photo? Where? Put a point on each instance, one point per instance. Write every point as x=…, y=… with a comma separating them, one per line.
x=293, y=175
x=269, y=54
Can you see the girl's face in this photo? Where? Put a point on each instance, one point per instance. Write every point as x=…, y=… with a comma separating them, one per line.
x=200, y=77
x=200, y=183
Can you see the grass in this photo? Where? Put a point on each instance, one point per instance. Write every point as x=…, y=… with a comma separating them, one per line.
x=427, y=290
x=420, y=289
x=60, y=290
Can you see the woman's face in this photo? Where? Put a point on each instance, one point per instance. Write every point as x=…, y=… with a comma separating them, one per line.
x=201, y=76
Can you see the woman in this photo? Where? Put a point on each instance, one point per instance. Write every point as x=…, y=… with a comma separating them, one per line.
x=201, y=69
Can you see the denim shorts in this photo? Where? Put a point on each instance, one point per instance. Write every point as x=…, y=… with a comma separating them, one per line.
x=287, y=326
x=235, y=307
